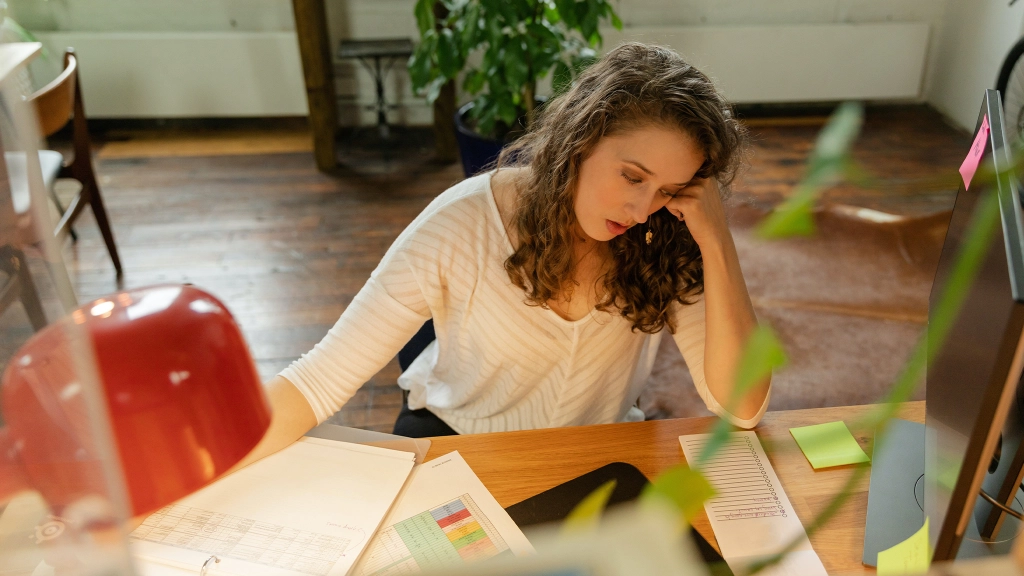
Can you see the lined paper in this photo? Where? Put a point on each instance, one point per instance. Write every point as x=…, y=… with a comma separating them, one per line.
x=751, y=514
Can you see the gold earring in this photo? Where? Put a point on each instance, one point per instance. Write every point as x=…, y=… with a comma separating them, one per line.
x=648, y=236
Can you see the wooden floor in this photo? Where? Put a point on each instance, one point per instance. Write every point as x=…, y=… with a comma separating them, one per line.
x=249, y=218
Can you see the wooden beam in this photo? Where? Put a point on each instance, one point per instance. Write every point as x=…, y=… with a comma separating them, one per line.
x=317, y=68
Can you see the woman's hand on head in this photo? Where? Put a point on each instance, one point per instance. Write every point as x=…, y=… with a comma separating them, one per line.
x=700, y=206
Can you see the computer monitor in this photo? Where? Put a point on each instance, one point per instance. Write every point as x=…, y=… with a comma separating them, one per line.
x=973, y=379
x=937, y=470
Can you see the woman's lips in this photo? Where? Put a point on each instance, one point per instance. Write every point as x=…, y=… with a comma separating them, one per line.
x=614, y=227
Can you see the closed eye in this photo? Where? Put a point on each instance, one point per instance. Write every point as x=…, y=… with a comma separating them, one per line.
x=630, y=179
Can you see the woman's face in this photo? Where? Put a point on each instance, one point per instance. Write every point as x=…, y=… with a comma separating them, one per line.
x=630, y=176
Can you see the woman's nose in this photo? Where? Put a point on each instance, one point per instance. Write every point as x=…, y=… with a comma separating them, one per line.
x=637, y=212
x=640, y=210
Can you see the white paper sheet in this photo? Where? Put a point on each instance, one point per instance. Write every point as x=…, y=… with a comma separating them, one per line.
x=444, y=516
x=310, y=509
x=751, y=515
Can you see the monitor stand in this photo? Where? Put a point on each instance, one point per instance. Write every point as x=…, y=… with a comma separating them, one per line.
x=896, y=496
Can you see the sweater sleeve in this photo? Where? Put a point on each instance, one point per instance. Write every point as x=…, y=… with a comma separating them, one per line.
x=689, y=337
x=383, y=316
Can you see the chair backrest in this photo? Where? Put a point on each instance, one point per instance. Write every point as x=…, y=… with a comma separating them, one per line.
x=55, y=102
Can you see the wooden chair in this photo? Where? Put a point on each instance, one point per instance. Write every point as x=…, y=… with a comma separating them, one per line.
x=56, y=104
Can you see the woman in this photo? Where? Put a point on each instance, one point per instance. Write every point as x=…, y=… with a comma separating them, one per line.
x=551, y=280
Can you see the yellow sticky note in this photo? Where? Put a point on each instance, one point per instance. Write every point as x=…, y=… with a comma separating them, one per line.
x=912, y=556
x=829, y=444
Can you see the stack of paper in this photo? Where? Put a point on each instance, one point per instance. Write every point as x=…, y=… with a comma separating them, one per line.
x=309, y=509
x=319, y=506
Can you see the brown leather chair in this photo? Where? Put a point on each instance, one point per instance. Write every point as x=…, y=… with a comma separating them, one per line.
x=57, y=103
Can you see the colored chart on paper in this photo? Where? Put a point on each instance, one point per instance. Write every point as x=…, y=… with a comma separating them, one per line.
x=452, y=533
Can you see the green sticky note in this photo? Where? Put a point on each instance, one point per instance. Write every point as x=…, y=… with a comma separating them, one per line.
x=829, y=444
x=912, y=556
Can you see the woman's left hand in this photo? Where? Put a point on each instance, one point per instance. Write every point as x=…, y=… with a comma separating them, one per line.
x=700, y=206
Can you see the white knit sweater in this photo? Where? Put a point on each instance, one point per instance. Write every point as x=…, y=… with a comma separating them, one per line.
x=498, y=364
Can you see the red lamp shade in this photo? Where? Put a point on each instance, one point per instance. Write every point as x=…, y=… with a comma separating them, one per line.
x=182, y=393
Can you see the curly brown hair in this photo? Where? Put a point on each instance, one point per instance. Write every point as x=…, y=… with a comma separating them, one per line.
x=632, y=86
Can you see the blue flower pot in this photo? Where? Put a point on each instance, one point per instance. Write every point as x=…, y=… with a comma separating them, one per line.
x=476, y=151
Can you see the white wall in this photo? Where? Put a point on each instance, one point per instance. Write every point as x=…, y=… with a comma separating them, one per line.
x=377, y=18
x=785, y=63
x=973, y=41
x=185, y=74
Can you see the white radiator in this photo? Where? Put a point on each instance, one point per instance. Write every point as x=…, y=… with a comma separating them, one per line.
x=212, y=74
x=799, y=63
x=186, y=74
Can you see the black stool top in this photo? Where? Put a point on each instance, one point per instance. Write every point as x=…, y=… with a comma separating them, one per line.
x=382, y=47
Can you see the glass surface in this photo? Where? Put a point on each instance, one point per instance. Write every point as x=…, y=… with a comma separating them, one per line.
x=61, y=491
x=112, y=408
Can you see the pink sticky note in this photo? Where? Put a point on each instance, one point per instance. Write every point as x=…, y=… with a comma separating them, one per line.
x=970, y=165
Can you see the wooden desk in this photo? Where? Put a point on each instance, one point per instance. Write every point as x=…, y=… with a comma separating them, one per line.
x=517, y=465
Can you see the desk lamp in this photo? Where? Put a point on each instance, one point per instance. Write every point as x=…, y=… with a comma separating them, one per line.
x=181, y=392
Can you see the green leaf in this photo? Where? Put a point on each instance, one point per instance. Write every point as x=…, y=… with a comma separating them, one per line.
x=829, y=160
x=472, y=31
x=616, y=22
x=474, y=82
x=586, y=515
x=421, y=67
x=762, y=353
x=681, y=487
x=448, y=57
x=588, y=19
x=434, y=88
x=424, y=11
x=838, y=135
x=508, y=12
x=567, y=11
x=794, y=217
x=551, y=14
x=543, y=37
x=484, y=113
x=516, y=69
x=524, y=8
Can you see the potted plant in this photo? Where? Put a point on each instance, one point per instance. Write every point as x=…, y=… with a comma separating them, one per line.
x=502, y=48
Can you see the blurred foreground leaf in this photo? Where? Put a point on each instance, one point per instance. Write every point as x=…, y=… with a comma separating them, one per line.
x=829, y=160
x=684, y=488
x=794, y=217
x=838, y=134
x=762, y=354
x=587, y=514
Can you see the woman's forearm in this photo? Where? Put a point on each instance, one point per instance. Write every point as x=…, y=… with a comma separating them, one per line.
x=729, y=322
x=291, y=417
